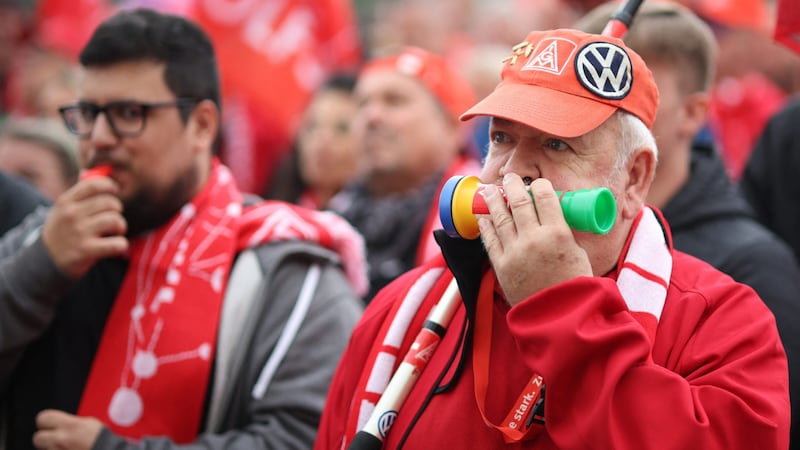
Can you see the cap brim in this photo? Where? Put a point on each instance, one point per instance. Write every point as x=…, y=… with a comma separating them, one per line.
x=547, y=110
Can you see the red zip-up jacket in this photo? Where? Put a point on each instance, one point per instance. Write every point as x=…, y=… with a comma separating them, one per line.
x=718, y=377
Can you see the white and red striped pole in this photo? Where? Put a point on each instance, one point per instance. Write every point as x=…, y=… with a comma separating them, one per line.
x=372, y=435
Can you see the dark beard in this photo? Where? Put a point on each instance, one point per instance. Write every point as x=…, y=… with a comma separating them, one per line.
x=149, y=209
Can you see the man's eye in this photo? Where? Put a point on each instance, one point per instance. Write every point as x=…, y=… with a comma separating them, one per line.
x=127, y=112
x=396, y=99
x=498, y=137
x=342, y=127
x=309, y=126
x=88, y=112
x=556, y=144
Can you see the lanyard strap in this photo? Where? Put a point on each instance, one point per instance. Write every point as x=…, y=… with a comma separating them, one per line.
x=519, y=424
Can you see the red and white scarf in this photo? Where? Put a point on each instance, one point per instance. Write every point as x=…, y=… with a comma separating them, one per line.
x=643, y=275
x=151, y=371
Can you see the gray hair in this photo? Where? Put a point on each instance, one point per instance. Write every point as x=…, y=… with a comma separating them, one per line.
x=633, y=135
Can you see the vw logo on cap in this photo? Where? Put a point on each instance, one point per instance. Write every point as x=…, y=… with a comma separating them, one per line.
x=605, y=70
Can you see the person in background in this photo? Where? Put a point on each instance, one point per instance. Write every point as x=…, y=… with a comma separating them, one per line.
x=755, y=76
x=153, y=306
x=326, y=155
x=17, y=199
x=709, y=219
x=43, y=80
x=41, y=151
x=565, y=339
x=770, y=179
x=411, y=142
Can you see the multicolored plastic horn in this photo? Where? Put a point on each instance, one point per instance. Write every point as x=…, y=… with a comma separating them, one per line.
x=593, y=210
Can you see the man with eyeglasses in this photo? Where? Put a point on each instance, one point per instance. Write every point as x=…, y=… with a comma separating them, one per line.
x=151, y=306
x=126, y=118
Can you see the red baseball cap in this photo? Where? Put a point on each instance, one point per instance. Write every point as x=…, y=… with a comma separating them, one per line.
x=567, y=82
x=450, y=87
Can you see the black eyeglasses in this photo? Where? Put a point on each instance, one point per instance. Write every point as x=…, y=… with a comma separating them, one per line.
x=126, y=118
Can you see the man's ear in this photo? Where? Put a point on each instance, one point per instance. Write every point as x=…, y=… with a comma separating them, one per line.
x=203, y=124
x=696, y=113
x=641, y=169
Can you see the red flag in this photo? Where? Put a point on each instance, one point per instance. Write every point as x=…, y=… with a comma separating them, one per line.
x=272, y=55
x=787, y=24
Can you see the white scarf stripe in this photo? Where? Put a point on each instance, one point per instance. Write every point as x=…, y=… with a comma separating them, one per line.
x=381, y=372
x=641, y=294
x=648, y=251
x=409, y=307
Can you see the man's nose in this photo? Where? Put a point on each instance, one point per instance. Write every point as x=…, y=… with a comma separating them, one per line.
x=526, y=167
x=371, y=111
x=102, y=131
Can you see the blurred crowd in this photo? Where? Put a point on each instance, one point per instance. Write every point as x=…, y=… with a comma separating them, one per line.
x=351, y=120
x=275, y=54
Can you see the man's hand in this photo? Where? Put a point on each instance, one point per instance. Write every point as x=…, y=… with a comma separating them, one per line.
x=62, y=431
x=84, y=225
x=531, y=247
